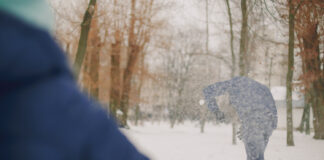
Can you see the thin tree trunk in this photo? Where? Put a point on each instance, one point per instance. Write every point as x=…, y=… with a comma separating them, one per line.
x=133, y=51
x=270, y=72
x=304, y=124
x=137, y=114
x=244, y=38
x=202, y=124
x=234, y=132
x=232, y=38
x=94, y=65
x=91, y=66
x=115, y=74
x=290, y=135
x=85, y=79
x=307, y=102
x=207, y=28
x=233, y=60
x=124, y=103
x=172, y=120
x=202, y=120
x=318, y=111
x=115, y=87
x=85, y=27
x=138, y=89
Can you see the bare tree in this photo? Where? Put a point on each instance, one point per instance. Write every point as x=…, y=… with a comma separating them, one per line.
x=85, y=28
x=290, y=72
x=310, y=29
x=138, y=38
x=178, y=64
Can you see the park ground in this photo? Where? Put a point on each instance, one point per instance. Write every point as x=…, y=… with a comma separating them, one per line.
x=185, y=142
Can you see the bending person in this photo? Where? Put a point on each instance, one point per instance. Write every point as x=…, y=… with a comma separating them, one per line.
x=253, y=105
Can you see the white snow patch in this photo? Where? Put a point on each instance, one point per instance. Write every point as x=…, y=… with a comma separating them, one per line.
x=185, y=142
x=279, y=93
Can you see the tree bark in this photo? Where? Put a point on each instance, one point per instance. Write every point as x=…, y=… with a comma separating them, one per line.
x=234, y=127
x=317, y=90
x=85, y=28
x=270, y=72
x=133, y=52
x=308, y=22
x=318, y=112
x=90, y=79
x=312, y=70
x=137, y=114
x=233, y=60
x=115, y=87
x=290, y=135
x=233, y=69
x=94, y=54
x=244, y=38
x=207, y=28
x=202, y=124
x=140, y=74
x=304, y=124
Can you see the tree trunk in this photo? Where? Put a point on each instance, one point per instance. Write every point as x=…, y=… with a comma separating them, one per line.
x=304, y=124
x=270, y=72
x=207, y=28
x=94, y=66
x=137, y=114
x=244, y=38
x=202, y=124
x=172, y=120
x=233, y=60
x=124, y=103
x=290, y=138
x=132, y=53
x=318, y=93
x=141, y=65
x=313, y=65
x=115, y=87
x=85, y=27
x=318, y=111
x=232, y=38
x=90, y=79
x=234, y=126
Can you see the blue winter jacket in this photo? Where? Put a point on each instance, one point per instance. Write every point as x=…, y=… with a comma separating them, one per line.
x=43, y=115
x=251, y=100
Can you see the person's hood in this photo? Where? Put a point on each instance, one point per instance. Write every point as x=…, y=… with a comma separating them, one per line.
x=34, y=12
x=27, y=53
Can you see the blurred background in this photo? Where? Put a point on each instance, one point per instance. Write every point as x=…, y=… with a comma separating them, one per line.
x=147, y=61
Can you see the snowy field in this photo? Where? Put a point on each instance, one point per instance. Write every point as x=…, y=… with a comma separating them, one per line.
x=185, y=142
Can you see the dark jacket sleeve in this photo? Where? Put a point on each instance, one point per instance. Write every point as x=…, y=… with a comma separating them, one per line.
x=103, y=140
x=214, y=90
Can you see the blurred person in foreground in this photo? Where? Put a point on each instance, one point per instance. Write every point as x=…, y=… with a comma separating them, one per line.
x=43, y=115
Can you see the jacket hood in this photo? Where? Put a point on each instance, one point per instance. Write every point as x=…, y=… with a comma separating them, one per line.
x=27, y=53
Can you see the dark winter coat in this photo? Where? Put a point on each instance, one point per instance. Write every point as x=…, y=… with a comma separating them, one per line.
x=43, y=115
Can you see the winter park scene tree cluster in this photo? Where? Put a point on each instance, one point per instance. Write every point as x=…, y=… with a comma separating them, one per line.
x=203, y=79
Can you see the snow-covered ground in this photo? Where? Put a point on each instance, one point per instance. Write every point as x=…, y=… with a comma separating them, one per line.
x=185, y=142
